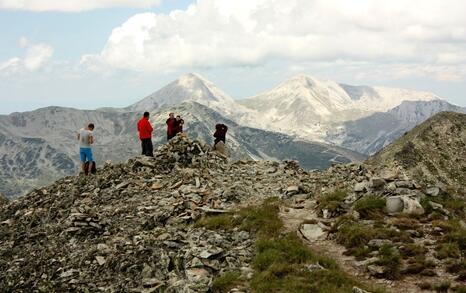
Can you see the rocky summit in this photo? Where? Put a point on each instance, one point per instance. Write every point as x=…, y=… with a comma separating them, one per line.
x=182, y=221
x=128, y=228
x=434, y=152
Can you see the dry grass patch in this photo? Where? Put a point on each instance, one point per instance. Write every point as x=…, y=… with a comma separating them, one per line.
x=405, y=223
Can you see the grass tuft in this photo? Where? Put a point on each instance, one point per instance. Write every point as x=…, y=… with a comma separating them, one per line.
x=224, y=283
x=331, y=201
x=446, y=250
x=405, y=223
x=390, y=259
x=442, y=286
x=370, y=207
x=352, y=234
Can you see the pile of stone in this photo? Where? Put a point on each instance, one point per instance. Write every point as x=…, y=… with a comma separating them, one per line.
x=402, y=194
x=131, y=227
x=182, y=151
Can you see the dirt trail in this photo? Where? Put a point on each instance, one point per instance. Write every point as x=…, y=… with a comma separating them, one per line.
x=293, y=217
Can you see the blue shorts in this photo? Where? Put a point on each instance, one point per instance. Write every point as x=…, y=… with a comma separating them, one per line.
x=86, y=154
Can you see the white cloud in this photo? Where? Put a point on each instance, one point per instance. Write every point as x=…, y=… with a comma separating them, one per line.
x=73, y=5
x=214, y=33
x=36, y=56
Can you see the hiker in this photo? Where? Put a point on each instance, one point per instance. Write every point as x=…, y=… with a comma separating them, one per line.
x=171, y=130
x=145, y=135
x=219, y=143
x=179, y=124
x=220, y=133
x=86, y=139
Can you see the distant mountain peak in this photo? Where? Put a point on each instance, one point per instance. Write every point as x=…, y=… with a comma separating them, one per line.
x=301, y=80
x=191, y=87
x=190, y=79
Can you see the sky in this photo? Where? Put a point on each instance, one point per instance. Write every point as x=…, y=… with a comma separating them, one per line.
x=111, y=53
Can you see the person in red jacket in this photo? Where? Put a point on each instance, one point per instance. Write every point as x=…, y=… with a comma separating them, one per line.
x=171, y=127
x=145, y=135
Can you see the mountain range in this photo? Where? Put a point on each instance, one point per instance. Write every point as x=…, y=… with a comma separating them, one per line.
x=315, y=122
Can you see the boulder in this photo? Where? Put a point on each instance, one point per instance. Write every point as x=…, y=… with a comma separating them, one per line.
x=403, y=204
x=404, y=184
x=412, y=206
x=312, y=232
x=377, y=182
x=361, y=186
x=433, y=191
x=220, y=148
x=375, y=270
x=292, y=190
x=389, y=174
x=394, y=204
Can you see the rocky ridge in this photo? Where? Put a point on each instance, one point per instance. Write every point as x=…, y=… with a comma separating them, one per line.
x=128, y=227
x=133, y=227
x=434, y=152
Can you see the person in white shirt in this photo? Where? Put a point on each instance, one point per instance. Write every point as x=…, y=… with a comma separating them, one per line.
x=86, y=139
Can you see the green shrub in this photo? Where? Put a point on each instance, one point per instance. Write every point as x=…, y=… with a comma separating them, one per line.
x=445, y=250
x=226, y=282
x=370, y=207
x=219, y=222
x=412, y=250
x=442, y=286
x=354, y=234
x=390, y=259
x=331, y=201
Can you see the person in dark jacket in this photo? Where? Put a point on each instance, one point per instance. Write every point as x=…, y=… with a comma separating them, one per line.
x=179, y=122
x=145, y=135
x=171, y=129
x=220, y=133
